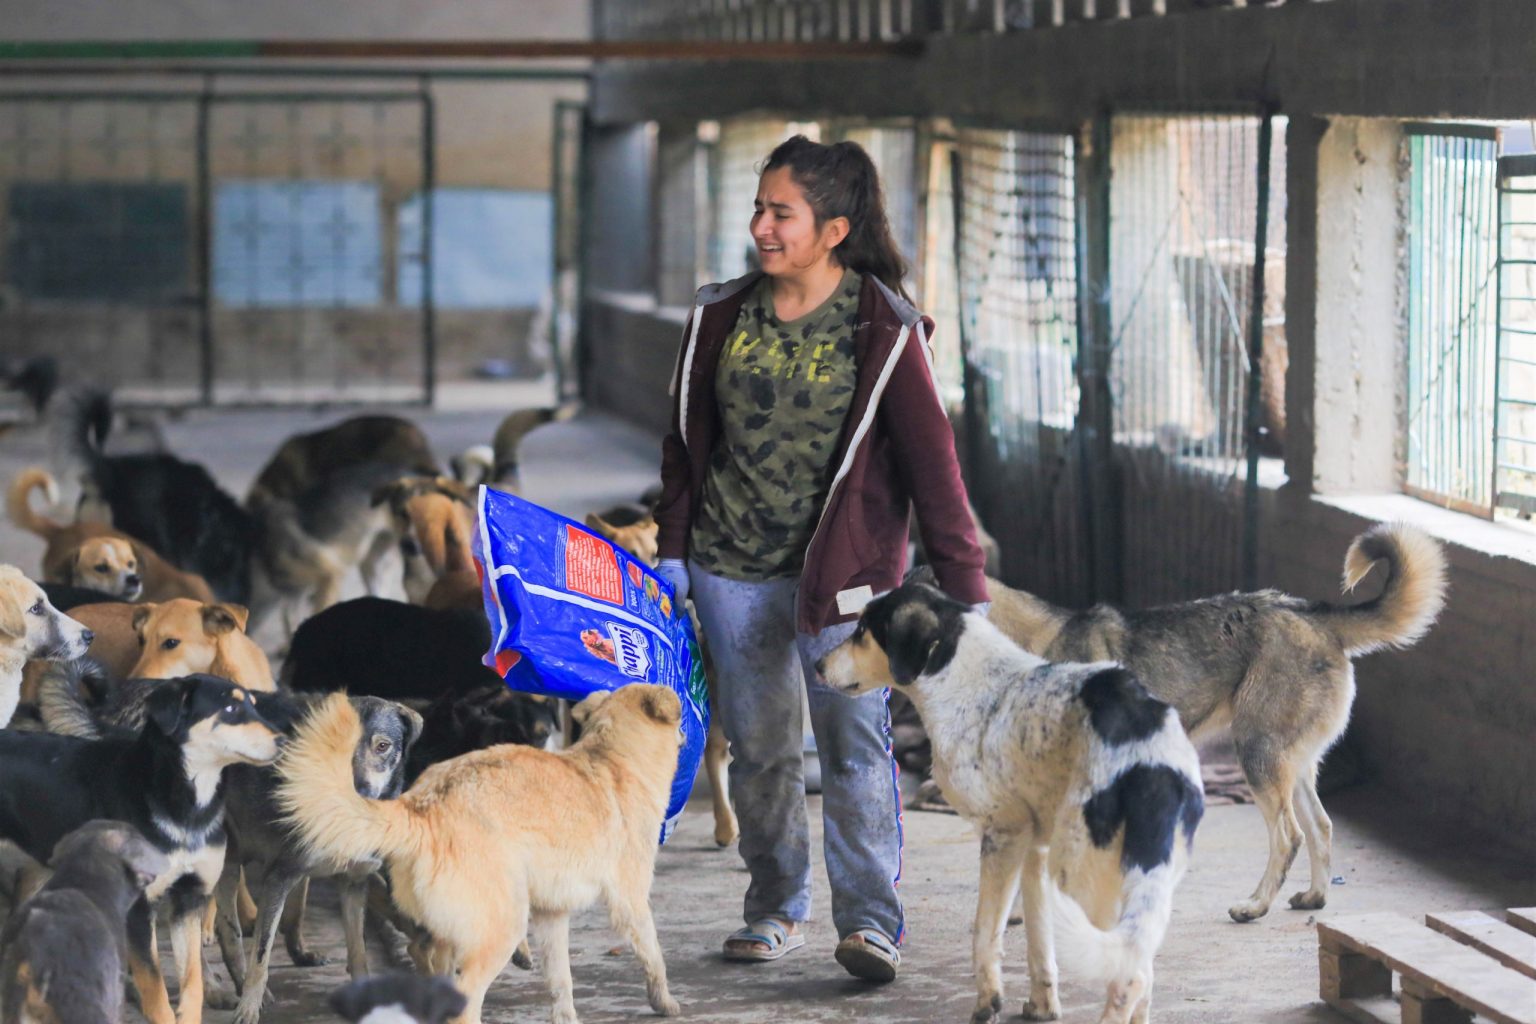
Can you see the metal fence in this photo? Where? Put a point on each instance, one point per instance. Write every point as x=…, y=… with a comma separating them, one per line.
x=869, y=20
x=221, y=247
x=1189, y=202
x=1515, y=371
x=1452, y=283
x=1014, y=201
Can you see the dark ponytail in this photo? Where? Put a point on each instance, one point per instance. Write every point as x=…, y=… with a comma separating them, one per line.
x=840, y=181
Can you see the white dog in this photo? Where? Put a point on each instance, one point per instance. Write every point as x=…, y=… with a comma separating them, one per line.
x=1071, y=772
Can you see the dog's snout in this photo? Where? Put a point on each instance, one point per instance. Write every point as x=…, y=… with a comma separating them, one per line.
x=821, y=666
x=132, y=579
x=87, y=636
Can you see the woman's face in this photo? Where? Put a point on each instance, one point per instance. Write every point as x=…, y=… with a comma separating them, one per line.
x=784, y=227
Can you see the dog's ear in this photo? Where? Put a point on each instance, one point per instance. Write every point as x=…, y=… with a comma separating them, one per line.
x=582, y=713
x=444, y=1002
x=224, y=617
x=909, y=636
x=662, y=705
x=13, y=617
x=412, y=723
x=384, y=493
x=599, y=525
x=168, y=704
x=141, y=615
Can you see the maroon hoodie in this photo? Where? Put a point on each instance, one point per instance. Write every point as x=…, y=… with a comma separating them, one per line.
x=896, y=450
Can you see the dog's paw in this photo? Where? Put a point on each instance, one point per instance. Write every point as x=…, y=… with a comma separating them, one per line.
x=221, y=998
x=1042, y=1008
x=725, y=837
x=521, y=958
x=988, y=1010
x=249, y=1011
x=666, y=1006
x=1309, y=900
x=307, y=958
x=1248, y=910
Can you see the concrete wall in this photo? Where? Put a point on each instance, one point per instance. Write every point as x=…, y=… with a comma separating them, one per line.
x=1449, y=723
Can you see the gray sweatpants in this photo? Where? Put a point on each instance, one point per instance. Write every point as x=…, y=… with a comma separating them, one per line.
x=761, y=663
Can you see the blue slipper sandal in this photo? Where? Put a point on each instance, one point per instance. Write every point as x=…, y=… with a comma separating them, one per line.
x=869, y=955
x=747, y=944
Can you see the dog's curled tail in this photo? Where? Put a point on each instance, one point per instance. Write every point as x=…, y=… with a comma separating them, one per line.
x=60, y=702
x=18, y=501
x=1121, y=955
x=319, y=798
x=1409, y=602
x=517, y=425
x=85, y=424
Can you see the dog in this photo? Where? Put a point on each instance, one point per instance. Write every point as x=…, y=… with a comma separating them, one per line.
x=173, y=506
x=62, y=952
x=63, y=596
x=175, y=638
x=631, y=527
x=165, y=780
x=487, y=844
x=398, y=999
x=31, y=628
x=94, y=555
x=434, y=519
x=389, y=649
x=275, y=865
x=1070, y=771
x=1272, y=670
x=459, y=722
x=304, y=461
x=53, y=963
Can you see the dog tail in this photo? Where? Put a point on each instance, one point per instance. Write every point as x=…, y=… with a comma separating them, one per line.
x=320, y=801
x=86, y=422
x=1409, y=602
x=61, y=702
x=516, y=426
x=1124, y=952
x=18, y=501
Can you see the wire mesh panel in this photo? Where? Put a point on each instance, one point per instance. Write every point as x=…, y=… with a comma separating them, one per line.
x=99, y=209
x=1515, y=438
x=1453, y=245
x=321, y=220
x=1017, y=263
x=1185, y=202
x=568, y=172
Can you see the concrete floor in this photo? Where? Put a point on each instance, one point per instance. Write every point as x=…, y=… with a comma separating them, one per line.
x=1210, y=970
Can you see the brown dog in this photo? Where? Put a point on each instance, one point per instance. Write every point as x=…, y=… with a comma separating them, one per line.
x=94, y=555
x=304, y=460
x=176, y=638
x=490, y=844
x=433, y=515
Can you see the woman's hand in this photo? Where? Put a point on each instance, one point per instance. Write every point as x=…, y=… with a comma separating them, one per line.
x=675, y=572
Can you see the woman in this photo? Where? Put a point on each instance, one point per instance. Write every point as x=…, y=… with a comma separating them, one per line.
x=806, y=425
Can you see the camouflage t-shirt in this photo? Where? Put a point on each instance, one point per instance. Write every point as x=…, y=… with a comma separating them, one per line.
x=783, y=389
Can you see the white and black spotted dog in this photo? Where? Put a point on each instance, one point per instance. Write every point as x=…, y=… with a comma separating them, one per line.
x=1078, y=779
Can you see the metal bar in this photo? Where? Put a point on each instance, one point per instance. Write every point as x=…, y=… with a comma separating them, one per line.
x=1451, y=131
x=1095, y=423
x=969, y=378
x=292, y=70
x=204, y=245
x=428, y=202
x=443, y=49
x=558, y=171
x=1250, y=578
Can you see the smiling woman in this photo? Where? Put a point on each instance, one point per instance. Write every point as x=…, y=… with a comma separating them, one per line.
x=807, y=425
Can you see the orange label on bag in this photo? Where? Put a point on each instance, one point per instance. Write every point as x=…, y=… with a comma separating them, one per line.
x=591, y=568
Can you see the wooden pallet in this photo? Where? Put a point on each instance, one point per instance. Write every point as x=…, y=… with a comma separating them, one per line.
x=1451, y=966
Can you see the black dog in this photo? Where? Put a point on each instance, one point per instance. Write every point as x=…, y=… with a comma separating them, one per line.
x=389, y=649
x=62, y=952
x=63, y=596
x=399, y=999
x=275, y=864
x=167, y=781
x=170, y=504
x=459, y=722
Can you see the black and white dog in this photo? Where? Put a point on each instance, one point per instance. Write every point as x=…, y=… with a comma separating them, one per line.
x=399, y=999
x=1071, y=772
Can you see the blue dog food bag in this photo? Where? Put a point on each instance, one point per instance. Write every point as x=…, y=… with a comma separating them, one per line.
x=572, y=614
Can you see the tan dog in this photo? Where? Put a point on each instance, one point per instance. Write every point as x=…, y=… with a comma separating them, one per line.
x=31, y=629
x=176, y=638
x=434, y=518
x=490, y=845
x=94, y=555
x=633, y=529
x=304, y=460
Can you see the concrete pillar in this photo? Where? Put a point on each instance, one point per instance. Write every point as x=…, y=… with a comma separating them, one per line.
x=1359, y=323
x=682, y=216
